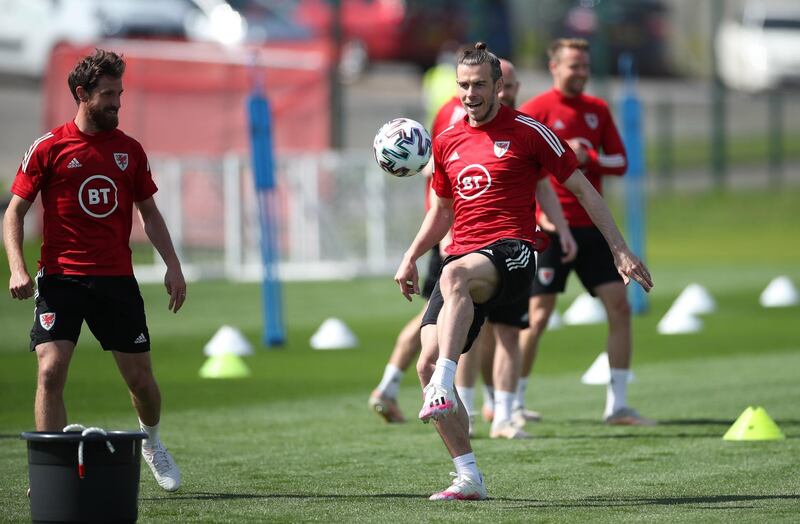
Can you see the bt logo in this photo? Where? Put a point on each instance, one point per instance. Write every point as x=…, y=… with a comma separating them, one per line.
x=98, y=196
x=473, y=181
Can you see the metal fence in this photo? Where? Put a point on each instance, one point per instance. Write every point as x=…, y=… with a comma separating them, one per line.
x=338, y=216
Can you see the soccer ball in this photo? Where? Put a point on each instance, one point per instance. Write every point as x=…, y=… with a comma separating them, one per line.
x=402, y=147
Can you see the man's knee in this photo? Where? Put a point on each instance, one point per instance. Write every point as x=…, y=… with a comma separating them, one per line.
x=52, y=370
x=539, y=312
x=618, y=307
x=425, y=368
x=453, y=279
x=140, y=380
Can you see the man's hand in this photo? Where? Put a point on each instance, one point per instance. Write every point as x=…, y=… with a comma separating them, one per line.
x=630, y=267
x=579, y=150
x=407, y=278
x=569, y=248
x=176, y=287
x=20, y=285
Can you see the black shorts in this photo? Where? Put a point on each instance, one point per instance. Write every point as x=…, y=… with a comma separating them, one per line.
x=434, y=268
x=112, y=307
x=594, y=263
x=515, y=265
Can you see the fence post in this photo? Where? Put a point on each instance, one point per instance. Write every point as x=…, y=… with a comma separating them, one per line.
x=775, y=137
x=631, y=109
x=718, y=146
x=665, y=146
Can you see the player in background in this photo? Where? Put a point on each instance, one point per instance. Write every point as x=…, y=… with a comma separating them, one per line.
x=383, y=399
x=584, y=122
x=482, y=355
x=90, y=175
x=485, y=169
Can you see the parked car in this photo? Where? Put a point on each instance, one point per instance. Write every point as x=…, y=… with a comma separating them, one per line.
x=30, y=29
x=639, y=27
x=759, y=49
x=372, y=30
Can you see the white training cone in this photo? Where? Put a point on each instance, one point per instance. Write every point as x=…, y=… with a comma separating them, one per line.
x=333, y=334
x=599, y=373
x=679, y=322
x=555, y=321
x=228, y=341
x=695, y=300
x=780, y=293
x=585, y=310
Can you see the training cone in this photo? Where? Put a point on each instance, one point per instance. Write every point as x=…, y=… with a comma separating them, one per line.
x=679, y=322
x=695, y=300
x=333, y=334
x=555, y=321
x=754, y=424
x=781, y=292
x=228, y=340
x=599, y=373
x=225, y=366
x=585, y=310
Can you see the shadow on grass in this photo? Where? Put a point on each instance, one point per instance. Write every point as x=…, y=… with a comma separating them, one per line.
x=240, y=496
x=652, y=501
x=517, y=502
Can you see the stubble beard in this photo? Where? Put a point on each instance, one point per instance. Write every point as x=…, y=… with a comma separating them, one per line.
x=102, y=119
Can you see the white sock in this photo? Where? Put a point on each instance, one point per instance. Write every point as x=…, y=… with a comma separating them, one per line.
x=502, y=407
x=152, y=439
x=519, y=399
x=488, y=396
x=390, y=383
x=445, y=373
x=466, y=465
x=617, y=391
x=467, y=398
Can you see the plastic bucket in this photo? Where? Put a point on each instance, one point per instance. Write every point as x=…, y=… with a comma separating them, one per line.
x=109, y=489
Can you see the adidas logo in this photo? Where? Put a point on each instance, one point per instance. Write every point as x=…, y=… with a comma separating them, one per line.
x=141, y=339
x=74, y=163
x=453, y=157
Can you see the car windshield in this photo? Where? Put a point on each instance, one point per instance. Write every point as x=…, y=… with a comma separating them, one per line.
x=782, y=23
x=271, y=19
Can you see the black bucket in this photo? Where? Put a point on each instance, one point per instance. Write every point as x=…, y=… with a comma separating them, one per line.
x=109, y=489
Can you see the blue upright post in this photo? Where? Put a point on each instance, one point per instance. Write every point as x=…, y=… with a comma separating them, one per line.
x=632, y=135
x=263, y=172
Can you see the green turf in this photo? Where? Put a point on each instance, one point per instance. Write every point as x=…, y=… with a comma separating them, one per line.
x=295, y=442
x=695, y=152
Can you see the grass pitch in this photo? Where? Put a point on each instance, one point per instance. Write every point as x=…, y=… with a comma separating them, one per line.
x=295, y=441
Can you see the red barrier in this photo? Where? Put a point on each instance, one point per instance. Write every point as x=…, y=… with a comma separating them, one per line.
x=189, y=98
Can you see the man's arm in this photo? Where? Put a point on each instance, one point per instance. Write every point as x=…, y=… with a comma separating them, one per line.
x=156, y=230
x=433, y=229
x=20, y=285
x=554, y=214
x=628, y=264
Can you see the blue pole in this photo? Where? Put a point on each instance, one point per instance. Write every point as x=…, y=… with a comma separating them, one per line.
x=633, y=136
x=263, y=172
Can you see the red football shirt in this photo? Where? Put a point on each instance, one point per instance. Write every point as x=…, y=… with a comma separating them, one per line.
x=587, y=119
x=88, y=185
x=450, y=113
x=491, y=171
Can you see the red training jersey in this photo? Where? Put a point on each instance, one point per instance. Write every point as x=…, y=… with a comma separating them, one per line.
x=587, y=119
x=450, y=113
x=491, y=171
x=88, y=185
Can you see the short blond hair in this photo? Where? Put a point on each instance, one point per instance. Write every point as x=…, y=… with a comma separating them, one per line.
x=558, y=44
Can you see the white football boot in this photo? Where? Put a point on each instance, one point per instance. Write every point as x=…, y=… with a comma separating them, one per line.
x=463, y=488
x=439, y=402
x=163, y=466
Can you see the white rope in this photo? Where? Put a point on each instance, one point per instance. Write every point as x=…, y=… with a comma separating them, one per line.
x=87, y=431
